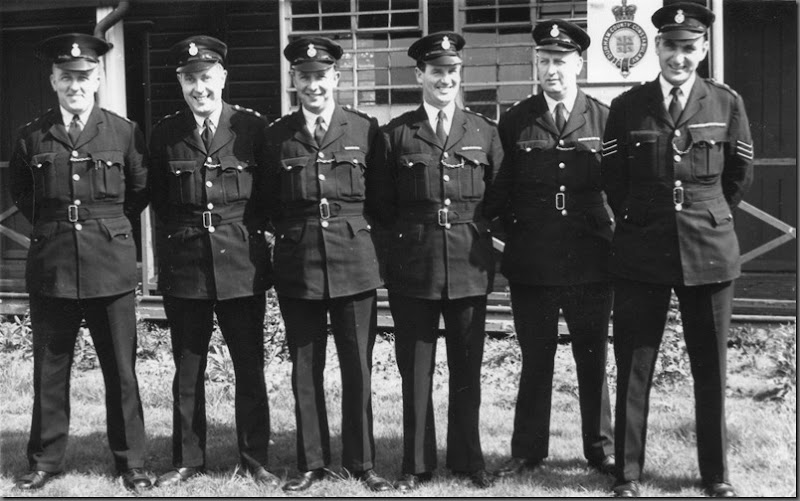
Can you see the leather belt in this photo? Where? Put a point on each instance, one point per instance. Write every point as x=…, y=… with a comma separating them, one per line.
x=74, y=213
x=325, y=209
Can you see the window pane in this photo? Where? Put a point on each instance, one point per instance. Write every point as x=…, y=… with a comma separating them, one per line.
x=305, y=24
x=334, y=23
x=305, y=7
x=406, y=96
x=403, y=76
x=334, y=6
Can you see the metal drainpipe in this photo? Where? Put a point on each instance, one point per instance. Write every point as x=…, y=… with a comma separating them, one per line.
x=112, y=92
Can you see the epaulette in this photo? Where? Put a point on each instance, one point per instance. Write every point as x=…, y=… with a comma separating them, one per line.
x=349, y=108
x=722, y=85
x=277, y=120
x=36, y=120
x=246, y=110
x=171, y=115
x=117, y=115
x=521, y=100
x=490, y=120
x=601, y=103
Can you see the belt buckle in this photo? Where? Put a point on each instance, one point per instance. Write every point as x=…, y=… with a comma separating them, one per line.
x=677, y=195
x=561, y=201
x=72, y=213
x=324, y=209
x=207, y=223
x=443, y=217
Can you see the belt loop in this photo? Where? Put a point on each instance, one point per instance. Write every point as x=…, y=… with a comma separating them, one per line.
x=72, y=213
x=561, y=201
x=207, y=219
x=324, y=209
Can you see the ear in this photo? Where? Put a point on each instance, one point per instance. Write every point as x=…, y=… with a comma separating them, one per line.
x=224, y=75
x=336, y=75
x=418, y=73
x=53, y=81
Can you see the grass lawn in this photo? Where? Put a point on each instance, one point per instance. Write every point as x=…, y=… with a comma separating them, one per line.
x=762, y=423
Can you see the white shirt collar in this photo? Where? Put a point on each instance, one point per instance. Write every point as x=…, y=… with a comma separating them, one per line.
x=569, y=101
x=66, y=116
x=311, y=118
x=686, y=88
x=433, y=114
x=214, y=117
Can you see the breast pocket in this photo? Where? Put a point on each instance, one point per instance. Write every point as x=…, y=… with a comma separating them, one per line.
x=348, y=170
x=587, y=154
x=45, y=174
x=108, y=175
x=184, y=180
x=237, y=178
x=643, y=148
x=708, y=151
x=412, y=176
x=527, y=159
x=471, y=168
x=293, y=186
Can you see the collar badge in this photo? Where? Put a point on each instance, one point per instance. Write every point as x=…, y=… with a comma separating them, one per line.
x=76, y=51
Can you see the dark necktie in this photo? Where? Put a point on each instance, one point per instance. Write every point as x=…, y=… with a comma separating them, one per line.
x=208, y=135
x=319, y=130
x=440, y=133
x=675, y=108
x=560, y=120
x=74, y=129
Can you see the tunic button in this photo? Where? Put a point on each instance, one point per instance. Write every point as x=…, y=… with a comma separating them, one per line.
x=410, y=164
x=446, y=155
x=209, y=160
x=561, y=142
x=76, y=177
x=288, y=167
x=678, y=207
x=564, y=212
x=447, y=201
x=446, y=178
x=209, y=184
x=325, y=224
x=678, y=183
x=677, y=158
x=713, y=142
x=448, y=226
x=369, y=227
x=239, y=167
x=321, y=154
x=562, y=188
x=178, y=171
x=210, y=206
x=528, y=149
x=74, y=153
x=78, y=226
x=211, y=229
x=76, y=202
x=109, y=163
x=321, y=177
x=677, y=133
x=561, y=165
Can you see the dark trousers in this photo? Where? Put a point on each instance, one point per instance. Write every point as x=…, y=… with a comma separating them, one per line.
x=354, y=321
x=241, y=321
x=586, y=309
x=640, y=312
x=416, y=323
x=112, y=324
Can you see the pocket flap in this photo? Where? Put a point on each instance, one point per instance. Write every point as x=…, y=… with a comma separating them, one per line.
x=720, y=214
x=475, y=157
x=43, y=159
x=535, y=144
x=638, y=137
x=293, y=233
x=182, y=167
x=116, y=227
x=709, y=135
x=231, y=162
x=294, y=163
x=355, y=158
x=412, y=159
x=109, y=158
x=358, y=224
x=591, y=145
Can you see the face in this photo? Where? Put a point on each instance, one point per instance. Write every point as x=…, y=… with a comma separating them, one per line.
x=75, y=89
x=440, y=84
x=679, y=58
x=315, y=88
x=202, y=90
x=558, y=72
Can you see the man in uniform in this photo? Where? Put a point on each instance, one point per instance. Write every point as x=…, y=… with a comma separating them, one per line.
x=677, y=158
x=322, y=170
x=440, y=262
x=79, y=174
x=557, y=250
x=208, y=193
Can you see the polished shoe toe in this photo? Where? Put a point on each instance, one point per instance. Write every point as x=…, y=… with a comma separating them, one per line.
x=178, y=475
x=304, y=480
x=136, y=479
x=34, y=479
x=719, y=490
x=373, y=481
x=629, y=489
x=514, y=466
x=607, y=465
x=411, y=481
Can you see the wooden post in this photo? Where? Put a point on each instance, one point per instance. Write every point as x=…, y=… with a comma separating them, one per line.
x=718, y=42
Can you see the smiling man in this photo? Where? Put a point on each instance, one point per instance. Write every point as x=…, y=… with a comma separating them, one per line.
x=208, y=191
x=441, y=158
x=677, y=159
x=557, y=246
x=322, y=177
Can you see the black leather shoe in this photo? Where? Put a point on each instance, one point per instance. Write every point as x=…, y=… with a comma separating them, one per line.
x=136, y=479
x=514, y=466
x=305, y=480
x=261, y=475
x=629, y=489
x=606, y=466
x=479, y=478
x=34, y=479
x=373, y=481
x=719, y=490
x=178, y=475
x=410, y=481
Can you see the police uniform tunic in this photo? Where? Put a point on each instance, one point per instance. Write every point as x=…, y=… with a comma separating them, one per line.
x=82, y=264
x=214, y=259
x=323, y=197
x=556, y=258
x=439, y=262
x=672, y=186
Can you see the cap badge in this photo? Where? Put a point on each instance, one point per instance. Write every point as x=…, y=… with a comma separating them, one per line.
x=76, y=51
x=679, y=17
x=445, y=43
x=193, y=49
x=311, y=52
x=554, y=31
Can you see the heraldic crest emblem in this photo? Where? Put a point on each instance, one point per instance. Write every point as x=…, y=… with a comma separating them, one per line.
x=624, y=42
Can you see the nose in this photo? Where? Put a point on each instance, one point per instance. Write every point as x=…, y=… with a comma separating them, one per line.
x=74, y=86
